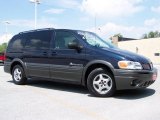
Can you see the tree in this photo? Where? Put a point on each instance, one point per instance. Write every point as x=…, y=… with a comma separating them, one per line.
x=145, y=36
x=157, y=34
x=151, y=34
x=3, y=47
x=118, y=35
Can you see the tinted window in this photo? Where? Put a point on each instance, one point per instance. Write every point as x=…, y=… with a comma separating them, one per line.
x=39, y=40
x=17, y=43
x=63, y=38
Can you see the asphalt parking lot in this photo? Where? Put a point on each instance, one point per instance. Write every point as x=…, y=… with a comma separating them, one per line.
x=41, y=100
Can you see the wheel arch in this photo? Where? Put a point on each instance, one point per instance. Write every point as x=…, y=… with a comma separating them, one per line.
x=96, y=64
x=16, y=62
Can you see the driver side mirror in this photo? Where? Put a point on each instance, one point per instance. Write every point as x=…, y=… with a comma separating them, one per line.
x=74, y=45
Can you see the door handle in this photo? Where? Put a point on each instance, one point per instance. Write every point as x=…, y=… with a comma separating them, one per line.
x=45, y=53
x=54, y=53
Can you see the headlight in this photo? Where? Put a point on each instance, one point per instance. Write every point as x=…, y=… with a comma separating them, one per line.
x=129, y=65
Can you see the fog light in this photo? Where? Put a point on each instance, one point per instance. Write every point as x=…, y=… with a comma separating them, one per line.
x=135, y=82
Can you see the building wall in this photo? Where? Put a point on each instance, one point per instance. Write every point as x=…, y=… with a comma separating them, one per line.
x=145, y=47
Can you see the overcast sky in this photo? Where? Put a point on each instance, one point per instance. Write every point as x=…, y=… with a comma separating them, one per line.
x=131, y=18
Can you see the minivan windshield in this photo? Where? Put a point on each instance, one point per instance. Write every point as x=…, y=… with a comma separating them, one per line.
x=94, y=40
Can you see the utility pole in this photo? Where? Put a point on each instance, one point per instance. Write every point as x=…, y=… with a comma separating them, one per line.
x=95, y=22
x=36, y=2
x=6, y=28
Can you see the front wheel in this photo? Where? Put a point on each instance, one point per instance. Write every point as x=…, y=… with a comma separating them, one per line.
x=101, y=83
x=18, y=75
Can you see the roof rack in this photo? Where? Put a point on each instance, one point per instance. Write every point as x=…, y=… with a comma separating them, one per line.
x=36, y=30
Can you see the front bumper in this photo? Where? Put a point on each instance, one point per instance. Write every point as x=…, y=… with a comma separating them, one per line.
x=131, y=79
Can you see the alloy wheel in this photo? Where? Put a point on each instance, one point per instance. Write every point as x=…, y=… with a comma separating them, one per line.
x=102, y=83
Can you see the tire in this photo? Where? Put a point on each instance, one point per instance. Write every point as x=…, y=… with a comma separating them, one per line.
x=101, y=83
x=18, y=75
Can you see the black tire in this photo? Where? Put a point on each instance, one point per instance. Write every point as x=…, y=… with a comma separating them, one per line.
x=99, y=79
x=18, y=75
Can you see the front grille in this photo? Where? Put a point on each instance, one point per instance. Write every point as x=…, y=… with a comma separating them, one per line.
x=146, y=84
x=147, y=66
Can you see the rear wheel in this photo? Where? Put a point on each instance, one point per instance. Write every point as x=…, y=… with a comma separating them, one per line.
x=18, y=75
x=101, y=83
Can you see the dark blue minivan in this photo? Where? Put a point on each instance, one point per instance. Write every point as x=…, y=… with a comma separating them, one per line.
x=79, y=57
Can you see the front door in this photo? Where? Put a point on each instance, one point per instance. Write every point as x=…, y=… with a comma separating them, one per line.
x=67, y=64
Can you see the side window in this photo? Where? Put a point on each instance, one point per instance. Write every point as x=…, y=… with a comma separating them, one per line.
x=17, y=43
x=63, y=38
x=39, y=40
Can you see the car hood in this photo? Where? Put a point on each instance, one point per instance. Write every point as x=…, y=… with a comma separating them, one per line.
x=127, y=55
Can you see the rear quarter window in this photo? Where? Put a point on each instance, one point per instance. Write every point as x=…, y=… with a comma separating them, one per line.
x=17, y=43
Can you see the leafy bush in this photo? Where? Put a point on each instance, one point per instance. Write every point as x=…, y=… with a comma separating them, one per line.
x=3, y=47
